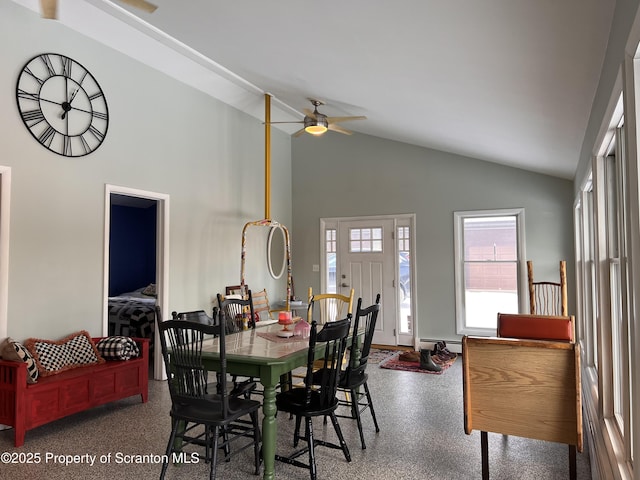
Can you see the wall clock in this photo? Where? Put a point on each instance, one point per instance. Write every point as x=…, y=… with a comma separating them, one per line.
x=62, y=105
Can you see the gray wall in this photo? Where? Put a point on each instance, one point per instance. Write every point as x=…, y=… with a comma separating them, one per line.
x=169, y=138
x=163, y=137
x=623, y=18
x=359, y=175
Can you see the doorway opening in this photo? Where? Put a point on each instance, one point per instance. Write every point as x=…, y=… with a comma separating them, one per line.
x=5, y=196
x=136, y=265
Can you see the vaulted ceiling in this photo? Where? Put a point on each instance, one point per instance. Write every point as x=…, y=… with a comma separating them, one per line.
x=508, y=81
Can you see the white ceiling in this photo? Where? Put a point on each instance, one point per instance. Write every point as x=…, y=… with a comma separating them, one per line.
x=508, y=81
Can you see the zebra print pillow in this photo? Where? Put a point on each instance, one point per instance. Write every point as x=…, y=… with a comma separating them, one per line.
x=16, y=352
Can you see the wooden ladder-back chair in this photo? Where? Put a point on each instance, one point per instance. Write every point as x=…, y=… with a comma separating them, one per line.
x=548, y=298
x=263, y=309
x=330, y=306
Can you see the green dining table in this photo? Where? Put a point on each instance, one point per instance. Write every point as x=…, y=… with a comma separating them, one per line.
x=261, y=354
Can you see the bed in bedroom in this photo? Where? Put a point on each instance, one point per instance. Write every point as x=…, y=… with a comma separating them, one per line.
x=132, y=314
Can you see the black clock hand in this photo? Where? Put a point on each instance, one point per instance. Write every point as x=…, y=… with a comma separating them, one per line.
x=66, y=96
x=50, y=101
x=90, y=112
x=66, y=106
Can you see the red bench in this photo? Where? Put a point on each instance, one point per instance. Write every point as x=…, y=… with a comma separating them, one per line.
x=25, y=406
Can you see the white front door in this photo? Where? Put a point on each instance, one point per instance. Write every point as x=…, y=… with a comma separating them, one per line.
x=367, y=252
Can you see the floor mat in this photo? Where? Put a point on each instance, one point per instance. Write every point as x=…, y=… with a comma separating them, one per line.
x=377, y=355
x=445, y=360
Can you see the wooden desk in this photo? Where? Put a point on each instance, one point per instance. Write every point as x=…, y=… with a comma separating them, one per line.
x=251, y=355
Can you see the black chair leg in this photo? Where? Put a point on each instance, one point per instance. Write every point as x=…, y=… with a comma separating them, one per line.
x=353, y=402
x=256, y=442
x=312, y=452
x=172, y=438
x=226, y=447
x=214, y=453
x=343, y=444
x=355, y=410
x=373, y=413
x=296, y=432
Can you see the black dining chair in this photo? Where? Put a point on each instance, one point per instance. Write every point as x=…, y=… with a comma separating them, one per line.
x=234, y=314
x=199, y=417
x=318, y=396
x=200, y=316
x=238, y=313
x=354, y=378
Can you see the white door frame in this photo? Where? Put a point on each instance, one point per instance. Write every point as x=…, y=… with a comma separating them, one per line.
x=334, y=222
x=5, y=209
x=162, y=260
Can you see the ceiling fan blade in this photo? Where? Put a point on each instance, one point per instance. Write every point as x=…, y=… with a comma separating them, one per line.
x=142, y=5
x=272, y=123
x=49, y=9
x=345, y=119
x=309, y=113
x=299, y=132
x=337, y=128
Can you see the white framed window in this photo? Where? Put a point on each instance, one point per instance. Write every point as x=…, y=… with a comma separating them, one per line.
x=605, y=230
x=489, y=255
x=590, y=294
x=616, y=391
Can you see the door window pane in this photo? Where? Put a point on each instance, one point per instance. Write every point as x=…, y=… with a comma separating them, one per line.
x=404, y=279
x=330, y=252
x=365, y=239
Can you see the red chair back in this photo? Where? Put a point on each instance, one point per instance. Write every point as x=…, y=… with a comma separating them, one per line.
x=536, y=327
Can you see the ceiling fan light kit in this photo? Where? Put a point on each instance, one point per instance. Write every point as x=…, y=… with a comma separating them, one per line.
x=315, y=126
x=316, y=123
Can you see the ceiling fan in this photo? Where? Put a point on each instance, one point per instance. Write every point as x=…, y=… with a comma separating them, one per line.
x=50, y=7
x=317, y=123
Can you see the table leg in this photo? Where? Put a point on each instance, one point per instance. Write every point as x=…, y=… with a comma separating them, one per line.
x=269, y=432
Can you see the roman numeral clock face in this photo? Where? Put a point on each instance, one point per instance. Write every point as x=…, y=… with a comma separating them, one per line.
x=62, y=105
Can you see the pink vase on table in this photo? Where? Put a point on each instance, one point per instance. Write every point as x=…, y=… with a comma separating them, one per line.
x=302, y=329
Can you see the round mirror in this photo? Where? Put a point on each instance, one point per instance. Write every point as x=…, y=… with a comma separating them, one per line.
x=276, y=252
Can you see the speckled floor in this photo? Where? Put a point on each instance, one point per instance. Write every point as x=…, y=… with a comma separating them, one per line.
x=421, y=437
